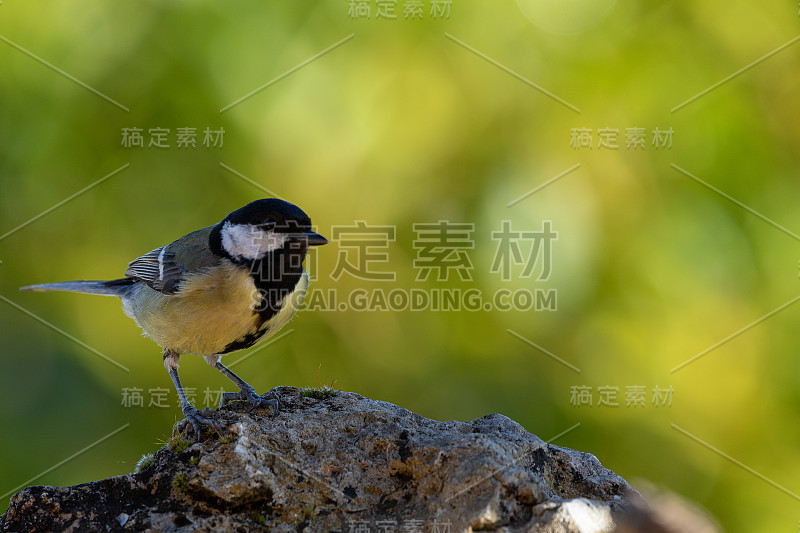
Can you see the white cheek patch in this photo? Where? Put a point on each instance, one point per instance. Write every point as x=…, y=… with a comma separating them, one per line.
x=246, y=241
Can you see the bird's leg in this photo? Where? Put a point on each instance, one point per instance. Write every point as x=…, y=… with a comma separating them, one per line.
x=190, y=411
x=246, y=392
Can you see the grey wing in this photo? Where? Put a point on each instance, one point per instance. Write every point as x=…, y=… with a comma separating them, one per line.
x=158, y=269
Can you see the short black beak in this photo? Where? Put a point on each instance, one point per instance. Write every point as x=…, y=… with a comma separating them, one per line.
x=312, y=238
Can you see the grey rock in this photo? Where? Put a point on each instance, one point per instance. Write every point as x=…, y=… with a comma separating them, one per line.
x=343, y=463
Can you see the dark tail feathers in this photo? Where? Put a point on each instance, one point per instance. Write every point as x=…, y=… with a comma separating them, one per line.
x=114, y=287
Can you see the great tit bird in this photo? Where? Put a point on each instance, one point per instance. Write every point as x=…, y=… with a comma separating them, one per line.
x=216, y=290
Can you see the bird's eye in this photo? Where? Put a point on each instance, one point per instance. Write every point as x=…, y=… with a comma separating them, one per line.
x=268, y=225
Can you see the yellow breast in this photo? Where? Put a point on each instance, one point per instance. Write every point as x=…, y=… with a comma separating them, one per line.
x=212, y=310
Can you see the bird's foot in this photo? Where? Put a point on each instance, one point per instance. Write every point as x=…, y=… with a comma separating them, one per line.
x=197, y=420
x=248, y=394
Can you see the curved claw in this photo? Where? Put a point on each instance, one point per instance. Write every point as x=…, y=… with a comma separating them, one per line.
x=197, y=420
x=270, y=400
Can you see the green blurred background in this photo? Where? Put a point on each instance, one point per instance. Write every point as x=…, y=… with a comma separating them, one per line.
x=407, y=123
